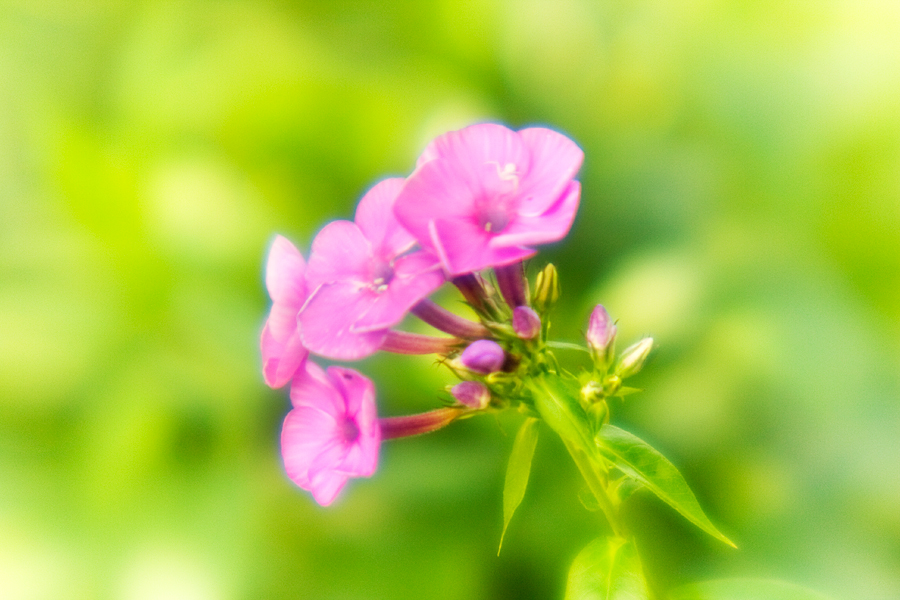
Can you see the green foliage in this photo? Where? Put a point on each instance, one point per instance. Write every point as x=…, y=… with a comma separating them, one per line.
x=518, y=470
x=743, y=589
x=607, y=569
x=739, y=204
x=644, y=464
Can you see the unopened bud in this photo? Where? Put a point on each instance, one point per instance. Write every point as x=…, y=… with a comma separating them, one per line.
x=483, y=356
x=600, y=334
x=526, y=323
x=546, y=289
x=592, y=392
x=633, y=358
x=472, y=393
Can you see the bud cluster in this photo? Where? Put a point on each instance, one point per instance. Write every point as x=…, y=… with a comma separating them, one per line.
x=605, y=381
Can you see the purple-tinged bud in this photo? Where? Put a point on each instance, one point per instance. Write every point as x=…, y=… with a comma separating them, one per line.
x=526, y=322
x=633, y=358
x=483, y=356
x=600, y=334
x=512, y=284
x=472, y=393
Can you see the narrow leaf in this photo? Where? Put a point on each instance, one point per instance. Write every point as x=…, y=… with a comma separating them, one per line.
x=743, y=589
x=588, y=499
x=518, y=470
x=607, y=569
x=627, y=391
x=639, y=460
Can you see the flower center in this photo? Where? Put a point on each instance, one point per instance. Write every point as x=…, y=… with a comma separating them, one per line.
x=500, y=185
x=382, y=274
x=349, y=430
x=493, y=218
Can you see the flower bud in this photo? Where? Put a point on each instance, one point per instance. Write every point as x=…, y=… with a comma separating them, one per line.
x=483, y=356
x=546, y=289
x=526, y=323
x=633, y=358
x=472, y=393
x=600, y=335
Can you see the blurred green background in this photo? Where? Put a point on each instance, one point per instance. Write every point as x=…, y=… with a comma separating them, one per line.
x=741, y=204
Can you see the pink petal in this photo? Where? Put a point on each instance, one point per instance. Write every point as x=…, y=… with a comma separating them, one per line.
x=281, y=359
x=326, y=485
x=312, y=388
x=555, y=160
x=340, y=252
x=282, y=321
x=282, y=352
x=306, y=431
x=550, y=226
x=465, y=248
x=436, y=190
x=375, y=218
x=327, y=319
x=368, y=443
x=353, y=387
x=284, y=273
x=478, y=145
x=416, y=275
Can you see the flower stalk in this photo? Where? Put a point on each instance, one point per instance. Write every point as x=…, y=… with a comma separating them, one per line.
x=410, y=425
x=403, y=342
x=442, y=319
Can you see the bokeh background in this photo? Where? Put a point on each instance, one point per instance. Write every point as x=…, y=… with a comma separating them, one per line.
x=741, y=204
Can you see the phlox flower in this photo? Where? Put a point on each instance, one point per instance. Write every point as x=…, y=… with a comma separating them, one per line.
x=332, y=433
x=480, y=196
x=364, y=278
x=282, y=350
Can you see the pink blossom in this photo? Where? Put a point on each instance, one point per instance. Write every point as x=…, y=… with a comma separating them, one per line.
x=364, y=278
x=481, y=196
x=332, y=433
x=282, y=350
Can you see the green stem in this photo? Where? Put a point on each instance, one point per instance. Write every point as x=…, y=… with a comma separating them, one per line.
x=596, y=485
x=567, y=346
x=562, y=411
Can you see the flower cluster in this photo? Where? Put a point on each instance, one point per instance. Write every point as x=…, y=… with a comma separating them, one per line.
x=479, y=198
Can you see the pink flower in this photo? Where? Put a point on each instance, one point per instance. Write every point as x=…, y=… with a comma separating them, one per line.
x=282, y=351
x=364, y=279
x=332, y=434
x=482, y=195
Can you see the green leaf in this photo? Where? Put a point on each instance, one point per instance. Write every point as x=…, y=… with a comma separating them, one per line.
x=556, y=401
x=626, y=391
x=743, y=589
x=588, y=499
x=607, y=569
x=639, y=460
x=518, y=470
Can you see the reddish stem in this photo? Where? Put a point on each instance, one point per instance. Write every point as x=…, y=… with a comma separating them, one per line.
x=448, y=322
x=402, y=342
x=409, y=425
